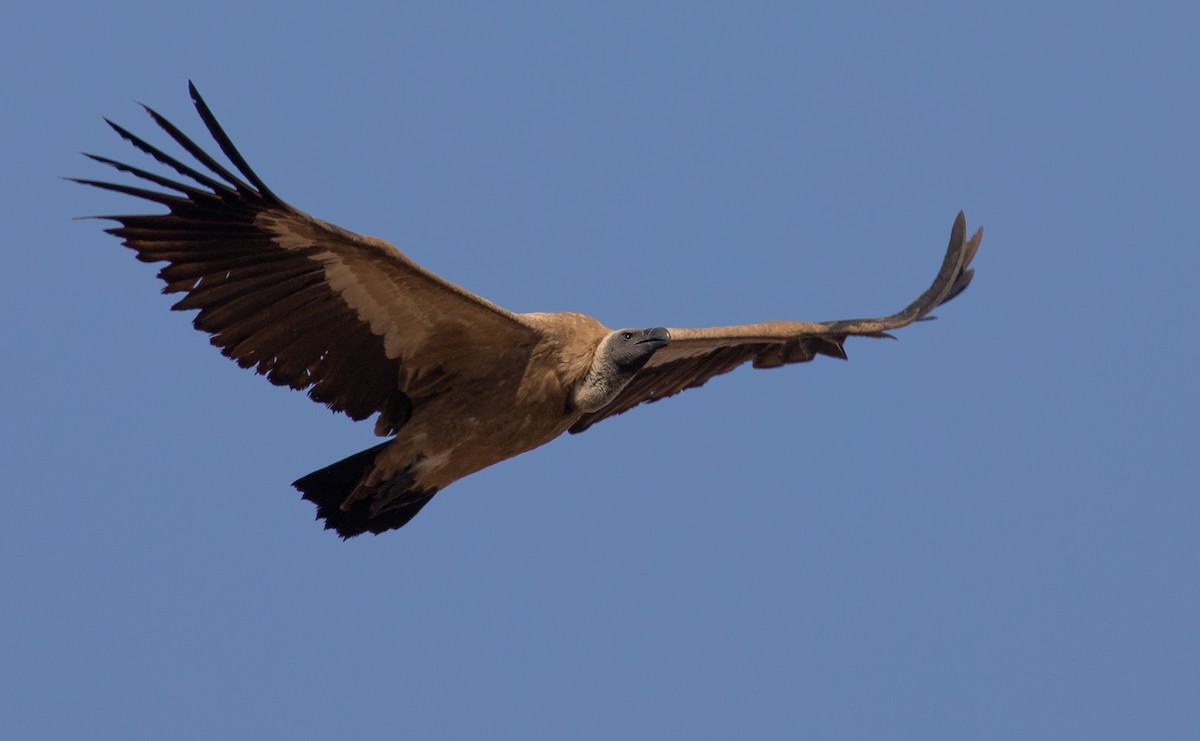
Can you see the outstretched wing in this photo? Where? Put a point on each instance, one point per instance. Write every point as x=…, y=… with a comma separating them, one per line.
x=303, y=302
x=696, y=355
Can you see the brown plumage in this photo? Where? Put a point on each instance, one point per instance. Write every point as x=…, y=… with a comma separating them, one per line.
x=457, y=382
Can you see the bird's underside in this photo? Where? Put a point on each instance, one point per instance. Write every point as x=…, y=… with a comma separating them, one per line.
x=454, y=381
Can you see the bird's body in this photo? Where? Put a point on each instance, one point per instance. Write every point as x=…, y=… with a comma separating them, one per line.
x=478, y=422
x=456, y=382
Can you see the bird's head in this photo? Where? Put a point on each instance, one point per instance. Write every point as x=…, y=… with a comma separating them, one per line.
x=632, y=348
x=618, y=358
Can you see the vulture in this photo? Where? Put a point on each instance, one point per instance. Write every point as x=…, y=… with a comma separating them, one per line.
x=456, y=382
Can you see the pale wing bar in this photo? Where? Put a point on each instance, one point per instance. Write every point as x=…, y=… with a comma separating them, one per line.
x=266, y=307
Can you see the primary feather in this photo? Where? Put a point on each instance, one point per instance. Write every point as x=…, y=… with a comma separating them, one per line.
x=457, y=382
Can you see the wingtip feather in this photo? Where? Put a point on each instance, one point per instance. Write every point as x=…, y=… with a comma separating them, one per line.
x=958, y=232
x=217, y=132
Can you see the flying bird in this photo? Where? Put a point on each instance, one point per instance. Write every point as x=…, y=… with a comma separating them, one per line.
x=457, y=382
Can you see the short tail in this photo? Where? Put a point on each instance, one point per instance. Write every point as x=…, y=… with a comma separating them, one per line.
x=387, y=506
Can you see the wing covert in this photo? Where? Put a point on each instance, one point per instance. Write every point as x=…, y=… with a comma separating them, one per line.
x=303, y=302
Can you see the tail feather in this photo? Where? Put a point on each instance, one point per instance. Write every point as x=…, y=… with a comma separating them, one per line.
x=387, y=506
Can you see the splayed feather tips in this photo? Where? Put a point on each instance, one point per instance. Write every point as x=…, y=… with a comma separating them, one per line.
x=457, y=382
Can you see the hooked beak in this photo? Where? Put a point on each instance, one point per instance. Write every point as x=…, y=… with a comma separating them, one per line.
x=658, y=335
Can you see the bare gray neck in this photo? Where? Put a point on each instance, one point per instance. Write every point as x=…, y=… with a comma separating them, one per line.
x=603, y=381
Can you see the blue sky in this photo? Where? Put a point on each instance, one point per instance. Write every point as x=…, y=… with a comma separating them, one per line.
x=987, y=529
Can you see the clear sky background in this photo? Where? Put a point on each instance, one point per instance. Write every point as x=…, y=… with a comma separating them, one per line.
x=986, y=530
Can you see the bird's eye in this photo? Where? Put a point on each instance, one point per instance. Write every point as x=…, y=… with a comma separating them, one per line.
x=627, y=335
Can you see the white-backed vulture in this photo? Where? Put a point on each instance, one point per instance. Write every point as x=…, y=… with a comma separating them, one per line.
x=458, y=383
